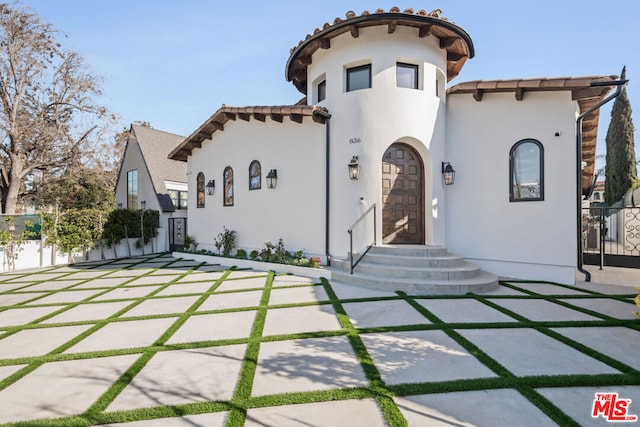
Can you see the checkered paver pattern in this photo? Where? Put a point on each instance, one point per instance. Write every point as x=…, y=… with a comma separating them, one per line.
x=155, y=340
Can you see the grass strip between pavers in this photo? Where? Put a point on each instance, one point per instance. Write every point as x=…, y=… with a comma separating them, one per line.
x=33, y=365
x=555, y=413
x=98, y=325
x=390, y=410
x=109, y=396
x=244, y=385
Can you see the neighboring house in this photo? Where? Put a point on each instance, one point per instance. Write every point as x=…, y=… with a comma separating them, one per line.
x=149, y=179
x=597, y=196
x=378, y=126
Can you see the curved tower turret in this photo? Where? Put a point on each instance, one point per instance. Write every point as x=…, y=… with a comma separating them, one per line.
x=383, y=78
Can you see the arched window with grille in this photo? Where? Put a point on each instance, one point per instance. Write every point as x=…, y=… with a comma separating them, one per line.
x=526, y=171
x=255, y=175
x=228, y=186
x=200, y=190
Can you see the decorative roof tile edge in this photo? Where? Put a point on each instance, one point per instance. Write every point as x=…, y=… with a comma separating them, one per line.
x=436, y=13
x=225, y=113
x=581, y=91
x=453, y=38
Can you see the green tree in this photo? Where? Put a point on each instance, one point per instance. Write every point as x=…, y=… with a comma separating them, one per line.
x=621, y=172
x=84, y=188
x=74, y=229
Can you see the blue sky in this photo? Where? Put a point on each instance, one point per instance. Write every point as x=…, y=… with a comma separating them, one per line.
x=174, y=64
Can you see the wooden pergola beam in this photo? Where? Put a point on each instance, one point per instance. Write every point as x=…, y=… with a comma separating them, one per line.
x=355, y=31
x=276, y=117
x=391, y=27
x=204, y=134
x=455, y=56
x=425, y=31
x=304, y=60
x=447, y=42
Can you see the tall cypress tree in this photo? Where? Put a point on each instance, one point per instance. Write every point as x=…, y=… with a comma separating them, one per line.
x=621, y=172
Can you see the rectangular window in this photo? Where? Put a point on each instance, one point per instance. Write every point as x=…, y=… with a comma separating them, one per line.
x=322, y=90
x=359, y=78
x=132, y=189
x=179, y=198
x=407, y=75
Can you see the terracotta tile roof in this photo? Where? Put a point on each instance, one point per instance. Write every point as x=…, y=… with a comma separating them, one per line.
x=581, y=91
x=452, y=38
x=217, y=121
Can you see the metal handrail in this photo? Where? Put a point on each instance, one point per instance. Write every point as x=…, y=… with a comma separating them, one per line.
x=352, y=265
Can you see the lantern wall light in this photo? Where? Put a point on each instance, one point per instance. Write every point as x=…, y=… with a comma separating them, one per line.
x=211, y=187
x=354, y=168
x=272, y=179
x=448, y=173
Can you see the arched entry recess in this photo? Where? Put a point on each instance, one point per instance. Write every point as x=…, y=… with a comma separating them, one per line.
x=403, y=216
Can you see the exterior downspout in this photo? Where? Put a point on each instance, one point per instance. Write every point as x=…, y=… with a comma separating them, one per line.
x=327, y=118
x=619, y=85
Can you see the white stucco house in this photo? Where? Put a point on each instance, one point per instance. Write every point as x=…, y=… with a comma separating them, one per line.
x=149, y=179
x=378, y=126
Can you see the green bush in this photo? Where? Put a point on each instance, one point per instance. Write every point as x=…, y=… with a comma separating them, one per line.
x=278, y=254
x=190, y=241
x=241, y=253
x=226, y=241
x=128, y=223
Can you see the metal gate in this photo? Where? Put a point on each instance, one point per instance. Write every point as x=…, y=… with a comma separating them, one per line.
x=611, y=236
x=177, y=232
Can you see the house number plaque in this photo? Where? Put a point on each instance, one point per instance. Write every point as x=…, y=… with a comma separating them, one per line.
x=355, y=140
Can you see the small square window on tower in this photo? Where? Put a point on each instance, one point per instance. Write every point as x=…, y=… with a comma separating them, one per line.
x=322, y=91
x=407, y=75
x=359, y=77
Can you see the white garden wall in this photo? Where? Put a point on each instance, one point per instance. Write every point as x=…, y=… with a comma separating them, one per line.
x=34, y=254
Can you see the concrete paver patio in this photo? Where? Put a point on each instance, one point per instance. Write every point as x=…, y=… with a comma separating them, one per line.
x=155, y=340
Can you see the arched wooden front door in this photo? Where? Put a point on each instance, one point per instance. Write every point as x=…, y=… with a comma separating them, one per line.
x=402, y=196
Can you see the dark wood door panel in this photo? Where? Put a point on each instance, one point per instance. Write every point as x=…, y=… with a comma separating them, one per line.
x=402, y=196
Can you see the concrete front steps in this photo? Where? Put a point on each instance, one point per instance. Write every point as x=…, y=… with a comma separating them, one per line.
x=414, y=269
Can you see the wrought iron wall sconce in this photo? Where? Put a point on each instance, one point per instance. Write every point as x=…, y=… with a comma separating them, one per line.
x=448, y=174
x=272, y=179
x=354, y=168
x=211, y=187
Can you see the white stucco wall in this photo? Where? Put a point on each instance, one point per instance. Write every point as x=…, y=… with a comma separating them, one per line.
x=133, y=159
x=294, y=211
x=528, y=240
x=366, y=122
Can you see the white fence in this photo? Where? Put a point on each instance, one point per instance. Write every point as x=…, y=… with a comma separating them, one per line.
x=34, y=254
